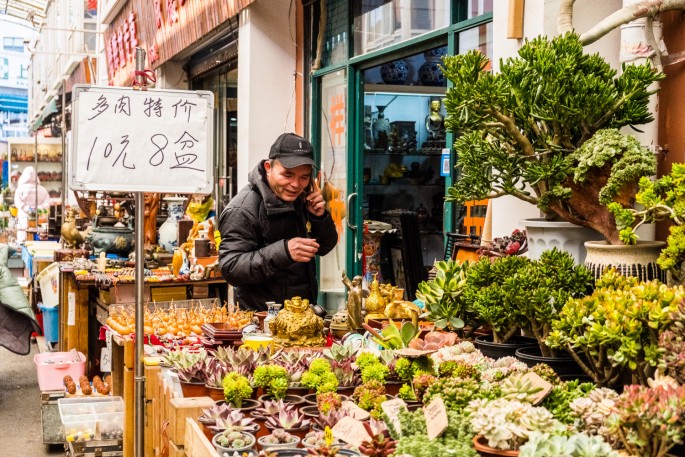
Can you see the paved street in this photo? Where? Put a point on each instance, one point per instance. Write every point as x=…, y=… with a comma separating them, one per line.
x=20, y=422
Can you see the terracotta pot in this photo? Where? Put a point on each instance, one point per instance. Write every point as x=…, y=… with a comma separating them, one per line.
x=311, y=411
x=480, y=443
x=297, y=391
x=391, y=388
x=215, y=393
x=347, y=391
x=193, y=389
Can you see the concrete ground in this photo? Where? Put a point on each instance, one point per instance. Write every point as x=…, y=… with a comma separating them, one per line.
x=20, y=420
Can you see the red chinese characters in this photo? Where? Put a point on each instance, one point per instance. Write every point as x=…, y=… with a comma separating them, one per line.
x=121, y=45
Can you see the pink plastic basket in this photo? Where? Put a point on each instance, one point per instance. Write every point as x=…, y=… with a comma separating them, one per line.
x=52, y=367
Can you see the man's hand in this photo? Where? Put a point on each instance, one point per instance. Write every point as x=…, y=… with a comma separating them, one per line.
x=302, y=249
x=315, y=202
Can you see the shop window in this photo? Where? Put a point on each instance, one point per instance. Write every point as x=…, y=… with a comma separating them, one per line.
x=381, y=23
x=15, y=44
x=476, y=8
x=330, y=44
x=477, y=38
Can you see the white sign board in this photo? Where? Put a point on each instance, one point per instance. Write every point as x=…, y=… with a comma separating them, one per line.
x=142, y=141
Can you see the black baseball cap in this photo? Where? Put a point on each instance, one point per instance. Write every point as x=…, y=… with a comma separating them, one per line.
x=292, y=151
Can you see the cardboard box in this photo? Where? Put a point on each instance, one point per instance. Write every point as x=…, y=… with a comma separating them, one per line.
x=179, y=410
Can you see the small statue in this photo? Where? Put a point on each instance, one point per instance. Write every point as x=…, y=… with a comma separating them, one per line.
x=375, y=304
x=70, y=234
x=354, y=302
x=400, y=309
x=435, y=122
x=297, y=325
x=151, y=201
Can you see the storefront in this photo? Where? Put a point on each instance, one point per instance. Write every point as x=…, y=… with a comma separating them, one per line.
x=377, y=112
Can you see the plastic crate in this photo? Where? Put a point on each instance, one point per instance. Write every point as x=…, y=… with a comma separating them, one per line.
x=52, y=367
x=88, y=418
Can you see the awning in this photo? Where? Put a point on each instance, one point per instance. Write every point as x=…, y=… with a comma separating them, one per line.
x=51, y=108
x=14, y=103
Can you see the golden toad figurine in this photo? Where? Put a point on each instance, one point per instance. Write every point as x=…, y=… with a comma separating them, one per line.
x=297, y=325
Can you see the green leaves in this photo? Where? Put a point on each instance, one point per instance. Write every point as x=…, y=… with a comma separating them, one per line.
x=442, y=296
x=520, y=126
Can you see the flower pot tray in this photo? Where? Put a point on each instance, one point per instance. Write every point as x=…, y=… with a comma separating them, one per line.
x=221, y=331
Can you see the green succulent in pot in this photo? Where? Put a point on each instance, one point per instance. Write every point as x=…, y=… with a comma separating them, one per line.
x=617, y=328
x=236, y=389
x=443, y=296
x=320, y=377
x=273, y=378
x=538, y=290
x=486, y=296
x=521, y=129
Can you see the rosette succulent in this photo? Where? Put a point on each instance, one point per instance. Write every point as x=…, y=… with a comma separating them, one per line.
x=288, y=420
x=270, y=408
x=234, y=440
x=328, y=401
x=234, y=421
x=506, y=424
x=578, y=445
x=279, y=436
x=593, y=411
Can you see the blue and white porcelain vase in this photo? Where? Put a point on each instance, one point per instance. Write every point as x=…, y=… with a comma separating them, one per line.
x=430, y=73
x=167, y=235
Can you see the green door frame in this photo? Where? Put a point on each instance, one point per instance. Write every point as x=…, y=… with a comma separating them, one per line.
x=355, y=101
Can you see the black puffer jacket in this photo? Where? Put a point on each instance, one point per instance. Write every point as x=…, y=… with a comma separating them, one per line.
x=253, y=255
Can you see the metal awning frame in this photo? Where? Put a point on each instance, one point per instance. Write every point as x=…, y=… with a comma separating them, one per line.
x=31, y=11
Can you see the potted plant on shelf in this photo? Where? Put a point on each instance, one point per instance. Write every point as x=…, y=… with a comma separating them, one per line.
x=296, y=364
x=273, y=380
x=242, y=360
x=369, y=397
x=328, y=401
x=485, y=294
x=192, y=374
x=234, y=421
x=216, y=370
x=237, y=390
x=319, y=377
x=278, y=439
x=231, y=442
x=267, y=409
x=617, y=327
x=292, y=421
x=521, y=130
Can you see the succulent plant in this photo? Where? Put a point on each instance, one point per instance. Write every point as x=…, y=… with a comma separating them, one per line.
x=296, y=363
x=406, y=393
x=672, y=345
x=241, y=360
x=340, y=352
x=455, y=392
x=216, y=370
x=546, y=372
x=578, y=445
x=345, y=372
x=288, y=420
x=236, y=389
x=234, y=440
x=506, y=424
x=377, y=372
x=271, y=407
x=196, y=372
x=279, y=436
x=421, y=384
x=380, y=444
x=444, y=298
x=273, y=378
x=366, y=358
x=234, y=421
x=319, y=377
x=519, y=388
x=331, y=418
x=593, y=411
x=649, y=421
x=328, y=401
x=455, y=441
x=562, y=395
x=184, y=358
x=369, y=397
x=217, y=411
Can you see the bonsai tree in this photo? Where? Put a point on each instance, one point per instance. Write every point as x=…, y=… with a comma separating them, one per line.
x=617, y=327
x=521, y=130
x=663, y=199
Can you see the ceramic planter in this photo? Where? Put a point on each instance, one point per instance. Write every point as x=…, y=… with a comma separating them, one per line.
x=215, y=393
x=270, y=446
x=220, y=449
x=637, y=260
x=563, y=364
x=481, y=445
x=543, y=234
x=193, y=389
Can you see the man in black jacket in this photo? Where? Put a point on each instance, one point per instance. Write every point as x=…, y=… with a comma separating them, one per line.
x=274, y=227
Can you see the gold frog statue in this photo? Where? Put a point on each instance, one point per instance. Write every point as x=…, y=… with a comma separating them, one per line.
x=297, y=325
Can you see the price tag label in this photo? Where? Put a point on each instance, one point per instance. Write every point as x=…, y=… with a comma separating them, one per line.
x=436, y=418
x=354, y=411
x=445, y=168
x=71, y=308
x=350, y=431
x=392, y=409
x=537, y=381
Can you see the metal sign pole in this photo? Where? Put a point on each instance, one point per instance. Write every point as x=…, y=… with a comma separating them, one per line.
x=139, y=389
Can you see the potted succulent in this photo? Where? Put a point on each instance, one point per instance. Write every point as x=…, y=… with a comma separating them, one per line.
x=328, y=401
x=369, y=397
x=192, y=374
x=504, y=425
x=576, y=445
x=237, y=390
x=292, y=421
x=230, y=442
x=278, y=439
x=485, y=294
x=413, y=439
x=209, y=417
x=267, y=409
x=296, y=364
x=380, y=443
x=649, y=419
x=443, y=296
x=234, y=421
x=319, y=377
x=317, y=438
x=216, y=370
x=242, y=360
x=617, y=327
x=341, y=358
x=521, y=130
x=273, y=379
